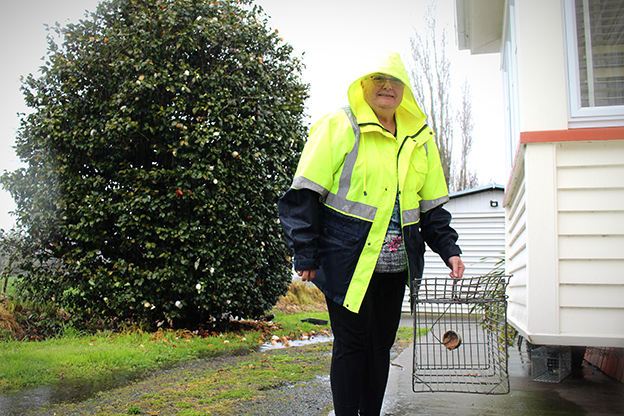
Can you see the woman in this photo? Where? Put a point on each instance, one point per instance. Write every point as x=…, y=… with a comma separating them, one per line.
x=367, y=195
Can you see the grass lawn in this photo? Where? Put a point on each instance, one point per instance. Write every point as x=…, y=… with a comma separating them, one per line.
x=77, y=356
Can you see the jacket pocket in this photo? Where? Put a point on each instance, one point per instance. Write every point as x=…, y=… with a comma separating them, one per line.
x=340, y=226
x=341, y=241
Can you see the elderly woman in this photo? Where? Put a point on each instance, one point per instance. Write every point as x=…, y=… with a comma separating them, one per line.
x=367, y=195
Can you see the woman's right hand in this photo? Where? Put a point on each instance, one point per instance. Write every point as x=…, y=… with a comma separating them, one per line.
x=306, y=275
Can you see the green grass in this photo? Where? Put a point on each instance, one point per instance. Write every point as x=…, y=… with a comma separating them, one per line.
x=219, y=389
x=76, y=356
x=225, y=385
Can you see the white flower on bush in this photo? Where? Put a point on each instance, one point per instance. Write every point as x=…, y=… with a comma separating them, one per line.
x=212, y=270
x=198, y=287
x=178, y=304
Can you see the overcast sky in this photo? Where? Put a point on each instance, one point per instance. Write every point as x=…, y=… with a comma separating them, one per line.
x=335, y=36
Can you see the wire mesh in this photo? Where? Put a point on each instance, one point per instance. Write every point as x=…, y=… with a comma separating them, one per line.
x=551, y=364
x=460, y=335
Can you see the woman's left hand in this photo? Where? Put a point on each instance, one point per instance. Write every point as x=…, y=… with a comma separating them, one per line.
x=457, y=267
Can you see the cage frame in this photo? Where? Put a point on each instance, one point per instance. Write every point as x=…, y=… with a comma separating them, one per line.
x=550, y=363
x=475, y=308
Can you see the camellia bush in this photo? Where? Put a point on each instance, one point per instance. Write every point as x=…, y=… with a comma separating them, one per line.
x=162, y=134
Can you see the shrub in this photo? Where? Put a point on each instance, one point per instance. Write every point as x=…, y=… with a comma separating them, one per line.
x=161, y=136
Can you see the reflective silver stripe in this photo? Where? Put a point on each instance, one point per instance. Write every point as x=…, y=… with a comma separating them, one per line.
x=357, y=209
x=301, y=182
x=349, y=164
x=427, y=205
x=410, y=216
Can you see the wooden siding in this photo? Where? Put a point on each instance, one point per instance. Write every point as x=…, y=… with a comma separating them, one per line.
x=587, y=250
x=590, y=204
x=516, y=258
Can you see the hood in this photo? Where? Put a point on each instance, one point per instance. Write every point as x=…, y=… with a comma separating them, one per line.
x=390, y=64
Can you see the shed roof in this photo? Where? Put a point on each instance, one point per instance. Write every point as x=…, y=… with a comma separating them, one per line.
x=477, y=190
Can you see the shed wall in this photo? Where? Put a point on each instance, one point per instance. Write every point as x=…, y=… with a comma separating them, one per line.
x=481, y=230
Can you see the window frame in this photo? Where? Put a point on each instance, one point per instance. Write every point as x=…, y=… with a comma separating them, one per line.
x=579, y=116
x=509, y=66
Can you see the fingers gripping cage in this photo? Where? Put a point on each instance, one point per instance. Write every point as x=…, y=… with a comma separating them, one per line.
x=460, y=335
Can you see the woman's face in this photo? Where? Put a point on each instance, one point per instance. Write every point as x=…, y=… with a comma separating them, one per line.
x=383, y=93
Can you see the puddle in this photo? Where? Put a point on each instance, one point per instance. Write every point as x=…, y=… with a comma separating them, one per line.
x=25, y=401
x=278, y=343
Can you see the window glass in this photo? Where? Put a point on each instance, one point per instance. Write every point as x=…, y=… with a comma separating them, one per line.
x=600, y=40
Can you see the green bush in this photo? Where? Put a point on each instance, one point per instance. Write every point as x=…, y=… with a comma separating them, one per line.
x=161, y=136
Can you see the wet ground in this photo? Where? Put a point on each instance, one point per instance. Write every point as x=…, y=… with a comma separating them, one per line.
x=28, y=401
x=187, y=389
x=587, y=391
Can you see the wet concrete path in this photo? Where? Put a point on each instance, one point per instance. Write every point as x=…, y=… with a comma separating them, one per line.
x=584, y=392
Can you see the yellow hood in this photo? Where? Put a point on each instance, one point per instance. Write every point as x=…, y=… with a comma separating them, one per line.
x=389, y=64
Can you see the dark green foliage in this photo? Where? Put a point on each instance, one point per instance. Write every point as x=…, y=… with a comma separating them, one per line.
x=162, y=134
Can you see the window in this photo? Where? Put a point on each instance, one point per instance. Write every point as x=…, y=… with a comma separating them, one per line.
x=510, y=86
x=595, y=53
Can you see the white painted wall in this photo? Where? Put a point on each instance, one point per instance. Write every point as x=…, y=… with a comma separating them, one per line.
x=565, y=244
x=590, y=201
x=516, y=250
x=541, y=65
x=564, y=207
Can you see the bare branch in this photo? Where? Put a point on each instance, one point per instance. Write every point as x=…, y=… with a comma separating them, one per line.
x=431, y=77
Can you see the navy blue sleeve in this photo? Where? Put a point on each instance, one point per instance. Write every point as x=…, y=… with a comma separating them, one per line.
x=298, y=213
x=435, y=226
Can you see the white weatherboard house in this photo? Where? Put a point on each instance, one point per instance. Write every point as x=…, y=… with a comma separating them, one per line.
x=479, y=219
x=563, y=74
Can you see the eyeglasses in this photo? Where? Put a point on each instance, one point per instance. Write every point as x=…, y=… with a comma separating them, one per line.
x=380, y=81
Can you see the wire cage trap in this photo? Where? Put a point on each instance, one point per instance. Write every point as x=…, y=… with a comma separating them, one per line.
x=460, y=335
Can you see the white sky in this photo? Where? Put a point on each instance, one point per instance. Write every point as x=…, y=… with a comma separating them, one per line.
x=335, y=35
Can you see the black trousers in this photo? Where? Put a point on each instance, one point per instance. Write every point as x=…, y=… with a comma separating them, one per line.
x=362, y=341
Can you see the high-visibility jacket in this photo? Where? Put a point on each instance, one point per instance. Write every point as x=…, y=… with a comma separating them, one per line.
x=336, y=214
